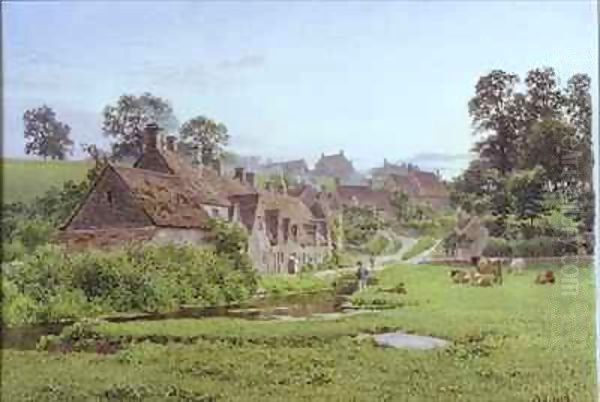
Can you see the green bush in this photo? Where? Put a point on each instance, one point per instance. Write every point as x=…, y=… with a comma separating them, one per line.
x=542, y=246
x=377, y=245
x=50, y=285
x=498, y=247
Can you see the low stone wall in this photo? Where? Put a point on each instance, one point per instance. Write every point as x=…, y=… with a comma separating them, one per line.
x=568, y=259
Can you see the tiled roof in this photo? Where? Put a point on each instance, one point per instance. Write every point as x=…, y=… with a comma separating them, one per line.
x=164, y=197
x=364, y=195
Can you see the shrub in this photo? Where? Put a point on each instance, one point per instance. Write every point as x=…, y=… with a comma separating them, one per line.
x=537, y=247
x=498, y=247
x=148, y=278
x=377, y=245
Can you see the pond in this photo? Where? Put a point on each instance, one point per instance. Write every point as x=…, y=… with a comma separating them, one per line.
x=300, y=305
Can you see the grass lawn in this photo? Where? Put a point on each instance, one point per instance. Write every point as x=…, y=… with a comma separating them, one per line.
x=26, y=179
x=517, y=342
x=424, y=243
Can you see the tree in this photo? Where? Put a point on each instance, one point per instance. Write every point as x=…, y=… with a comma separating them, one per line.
x=549, y=144
x=46, y=136
x=125, y=122
x=579, y=114
x=494, y=113
x=527, y=188
x=544, y=97
x=401, y=204
x=207, y=136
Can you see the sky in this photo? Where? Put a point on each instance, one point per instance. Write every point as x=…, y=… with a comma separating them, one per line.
x=289, y=79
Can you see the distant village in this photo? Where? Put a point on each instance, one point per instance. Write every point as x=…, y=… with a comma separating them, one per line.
x=167, y=196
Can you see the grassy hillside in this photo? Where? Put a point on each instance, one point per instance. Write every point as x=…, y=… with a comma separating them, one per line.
x=26, y=179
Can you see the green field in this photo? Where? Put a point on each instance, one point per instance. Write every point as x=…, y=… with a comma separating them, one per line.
x=517, y=342
x=26, y=179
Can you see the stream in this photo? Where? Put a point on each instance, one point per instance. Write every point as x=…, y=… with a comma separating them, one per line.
x=297, y=306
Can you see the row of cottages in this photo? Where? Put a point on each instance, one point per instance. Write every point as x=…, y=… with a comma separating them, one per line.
x=329, y=205
x=422, y=187
x=162, y=199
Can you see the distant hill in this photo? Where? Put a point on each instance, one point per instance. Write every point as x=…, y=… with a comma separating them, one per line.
x=24, y=179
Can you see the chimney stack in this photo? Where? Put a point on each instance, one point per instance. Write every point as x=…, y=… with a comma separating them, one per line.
x=171, y=143
x=250, y=178
x=239, y=174
x=150, y=136
x=342, y=152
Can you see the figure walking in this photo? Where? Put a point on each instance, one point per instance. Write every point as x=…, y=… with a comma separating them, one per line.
x=363, y=275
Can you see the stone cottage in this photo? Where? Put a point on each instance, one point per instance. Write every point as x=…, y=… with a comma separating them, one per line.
x=420, y=186
x=162, y=198
x=336, y=165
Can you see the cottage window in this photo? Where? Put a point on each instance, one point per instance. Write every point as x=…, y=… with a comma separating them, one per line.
x=215, y=212
x=109, y=197
x=295, y=232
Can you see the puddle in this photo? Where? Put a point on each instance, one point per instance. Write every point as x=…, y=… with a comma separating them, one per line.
x=403, y=340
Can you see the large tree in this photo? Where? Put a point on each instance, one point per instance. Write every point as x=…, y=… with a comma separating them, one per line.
x=550, y=144
x=494, y=111
x=125, y=120
x=206, y=136
x=579, y=114
x=45, y=135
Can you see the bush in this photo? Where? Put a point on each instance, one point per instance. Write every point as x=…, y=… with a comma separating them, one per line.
x=498, y=247
x=51, y=285
x=537, y=247
x=377, y=245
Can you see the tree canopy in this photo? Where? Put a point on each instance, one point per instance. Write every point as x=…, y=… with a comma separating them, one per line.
x=125, y=120
x=45, y=135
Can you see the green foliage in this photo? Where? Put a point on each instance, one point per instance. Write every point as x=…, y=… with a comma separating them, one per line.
x=499, y=346
x=534, y=143
x=45, y=135
x=138, y=278
x=205, y=135
x=423, y=244
x=282, y=285
x=125, y=121
x=360, y=225
x=540, y=246
x=377, y=245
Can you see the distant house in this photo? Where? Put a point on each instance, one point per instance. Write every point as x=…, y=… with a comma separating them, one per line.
x=164, y=199
x=363, y=196
x=388, y=169
x=296, y=168
x=420, y=186
x=337, y=166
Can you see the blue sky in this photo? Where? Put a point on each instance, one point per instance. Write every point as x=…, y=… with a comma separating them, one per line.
x=289, y=79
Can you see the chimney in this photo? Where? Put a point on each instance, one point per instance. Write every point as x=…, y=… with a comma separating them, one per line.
x=239, y=174
x=250, y=178
x=171, y=143
x=150, y=136
x=341, y=152
x=337, y=182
